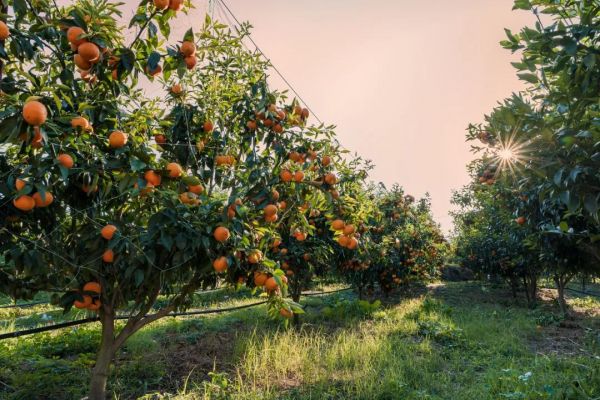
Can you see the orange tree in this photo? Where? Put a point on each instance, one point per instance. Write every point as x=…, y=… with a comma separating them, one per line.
x=110, y=198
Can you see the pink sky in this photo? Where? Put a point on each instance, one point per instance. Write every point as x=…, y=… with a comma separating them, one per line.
x=401, y=79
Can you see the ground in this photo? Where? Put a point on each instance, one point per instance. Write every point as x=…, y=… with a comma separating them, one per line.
x=443, y=341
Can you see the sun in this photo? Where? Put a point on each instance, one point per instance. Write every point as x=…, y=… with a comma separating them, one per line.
x=507, y=154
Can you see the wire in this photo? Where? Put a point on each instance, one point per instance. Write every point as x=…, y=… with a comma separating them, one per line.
x=222, y=2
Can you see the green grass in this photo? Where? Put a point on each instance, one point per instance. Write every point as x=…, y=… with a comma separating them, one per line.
x=457, y=341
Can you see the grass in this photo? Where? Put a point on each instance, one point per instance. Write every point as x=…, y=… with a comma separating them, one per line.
x=453, y=341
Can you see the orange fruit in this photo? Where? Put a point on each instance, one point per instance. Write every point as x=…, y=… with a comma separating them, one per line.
x=176, y=5
x=299, y=176
x=89, y=52
x=196, y=189
x=161, y=140
x=117, y=139
x=20, y=184
x=305, y=113
x=65, y=160
x=284, y=312
x=274, y=194
x=176, y=89
x=73, y=34
x=221, y=234
x=260, y=278
x=80, y=122
x=95, y=306
x=335, y=194
x=278, y=128
x=344, y=241
x=286, y=176
x=190, y=62
x=251, y=125
x=338, y=225
x=349, y=229
x=270, y=209
x=92, y=287
x=271, y=218
x=161, y=4
x=353, y=243
x=35, y=113
x=43, y=201
x=152, y=177
x=282, y=205
x=271, y=284
x=24, y=203
x=4, y=31
x=331, y=179
x=221, y=264
x=188, y=48
x=81, y=62
x=521, y=220
x=108, y=231
x=208, y=126
x=300, y=236
x=155, y=71
x=268, y=123
x=85, y=303
x=174, y=169
x=108, y=256
x=325, y=161
x=254, y=257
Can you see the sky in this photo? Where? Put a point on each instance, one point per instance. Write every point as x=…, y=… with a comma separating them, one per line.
x=401, y=79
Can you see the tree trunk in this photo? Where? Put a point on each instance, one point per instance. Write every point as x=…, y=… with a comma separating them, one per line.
x=104, y=357
x=561, y=282
x=514, y=285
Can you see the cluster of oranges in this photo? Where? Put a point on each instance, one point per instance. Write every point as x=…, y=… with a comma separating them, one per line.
x=86, y=53
x=488, y=177
x=347, y=232
x=268, y=282
x=175, y=5
x=225, y=160
x=270, y=213
x=90, y=297
x=107, y=232
x=27, y=203
x=272, y=118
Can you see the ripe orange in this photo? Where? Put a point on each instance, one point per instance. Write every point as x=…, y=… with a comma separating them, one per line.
x=325, y=161
x=260, y=278
x=305, y=113
x=353, y=243
x=152, y=177
x=299, y=176
x=344, y=241
x=190, y=62
x=161, y=4
x=155, y=71
x=521, y=220
x=330, y=179
x=221, y=264
x=284, y=312
x=349, y=229
x=65, y=160
x=335, y=194
x=251, y=125
x=300, y=236
x=338, y=225
x=89, y=52
x=81, y=62
x=176, y=5
x=95, y=306
x=73, y=34
x=161, y=140
x=43, y=201
x=4, y=32
x=208, y=126
x=254, y=257
x=196, y=189
x=274, y=194
x=20, y=184
x=108, y=256
x=270, y=209
x=286, y=176
x=221, y=234
x=278, y=128
x=85, y=303
x=35, y=113
x=276, y=243
x=188, y=48
x=271, y=284
x=24, y=203
x=108, y=231
x=282, y=205
x=175, y=170
x=117, y=139
x=268, y=123
x=80, y=122
x=176, y=89
x=92, y=287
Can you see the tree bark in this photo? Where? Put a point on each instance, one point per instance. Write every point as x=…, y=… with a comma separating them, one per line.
x=561, y=281
x=104, y=357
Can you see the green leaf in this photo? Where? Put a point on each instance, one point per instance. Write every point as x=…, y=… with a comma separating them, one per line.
x=528, y=77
